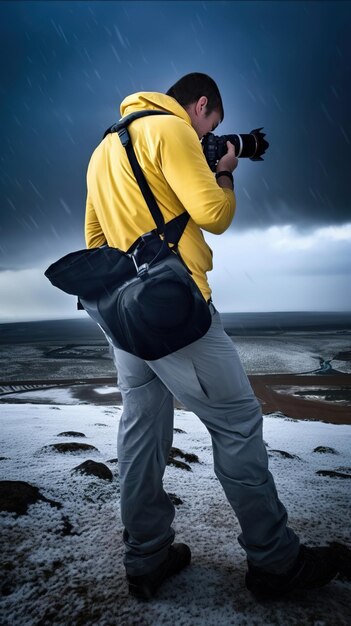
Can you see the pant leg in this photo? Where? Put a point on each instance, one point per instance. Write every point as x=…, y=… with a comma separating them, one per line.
x=208, y=378
x=144, y=440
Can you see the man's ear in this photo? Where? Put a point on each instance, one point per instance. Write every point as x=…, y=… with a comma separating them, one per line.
x=201, y=105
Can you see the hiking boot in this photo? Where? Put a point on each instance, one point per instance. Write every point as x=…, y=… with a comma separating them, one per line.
x=144, y=587
x=314, y=567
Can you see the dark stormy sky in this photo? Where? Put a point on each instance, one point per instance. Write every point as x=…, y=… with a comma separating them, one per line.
x=285, y=66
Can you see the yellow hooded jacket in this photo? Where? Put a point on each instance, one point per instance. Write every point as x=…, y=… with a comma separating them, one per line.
x=171, y=157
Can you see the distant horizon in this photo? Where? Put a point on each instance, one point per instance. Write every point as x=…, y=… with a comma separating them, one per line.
x=281, y=311
x=85, y=316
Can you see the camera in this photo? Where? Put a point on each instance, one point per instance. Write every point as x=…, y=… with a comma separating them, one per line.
x=252, y=146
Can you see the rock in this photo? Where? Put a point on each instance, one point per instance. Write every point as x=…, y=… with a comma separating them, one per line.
x=4, y=458
x=284, y=454
x=112, y=461
x=179, y=464
x=332, y=474
x=67, y=527
x=175, y=499
x=179, y=430
x=191, y=458
x=74, y=446
x=325, y=450
x=17, y=495
x=71, y=433
x=92, y=468
x=104, y=425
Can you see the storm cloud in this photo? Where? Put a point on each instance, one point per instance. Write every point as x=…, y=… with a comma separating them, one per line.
x=66, y=67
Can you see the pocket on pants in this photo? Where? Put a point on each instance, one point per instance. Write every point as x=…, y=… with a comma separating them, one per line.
x=222, y=381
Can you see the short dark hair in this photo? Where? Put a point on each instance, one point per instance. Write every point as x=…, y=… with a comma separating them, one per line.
x=191, y=87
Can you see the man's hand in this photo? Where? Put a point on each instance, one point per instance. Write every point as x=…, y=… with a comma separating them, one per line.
x=228, y=162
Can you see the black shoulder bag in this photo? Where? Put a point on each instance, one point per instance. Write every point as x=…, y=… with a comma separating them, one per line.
x=145, y=300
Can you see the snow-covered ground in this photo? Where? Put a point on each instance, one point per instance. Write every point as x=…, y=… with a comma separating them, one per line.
x=61, y=578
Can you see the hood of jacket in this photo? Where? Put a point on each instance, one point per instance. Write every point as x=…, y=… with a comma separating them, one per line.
x=147, y=100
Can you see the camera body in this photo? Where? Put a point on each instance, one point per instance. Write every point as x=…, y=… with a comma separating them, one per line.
x=252, y=146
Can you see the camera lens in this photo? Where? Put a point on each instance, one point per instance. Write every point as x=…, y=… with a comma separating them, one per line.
x=252, y=145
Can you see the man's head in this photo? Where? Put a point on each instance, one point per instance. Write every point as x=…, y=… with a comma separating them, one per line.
x=200, y=97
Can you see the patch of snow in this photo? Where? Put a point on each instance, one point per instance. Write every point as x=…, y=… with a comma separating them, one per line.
x=79, y=578
x=56, y=395
x=106, y=390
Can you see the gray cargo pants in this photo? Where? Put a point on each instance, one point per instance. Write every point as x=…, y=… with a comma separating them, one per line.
x=208, y=378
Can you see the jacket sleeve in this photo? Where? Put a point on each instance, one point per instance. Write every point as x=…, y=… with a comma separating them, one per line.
x=187, y=172
x=94, y=236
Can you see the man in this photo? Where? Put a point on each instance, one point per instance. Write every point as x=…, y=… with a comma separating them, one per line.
x=206, y=376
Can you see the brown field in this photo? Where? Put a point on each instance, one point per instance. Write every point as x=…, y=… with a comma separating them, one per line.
x=263, y=385
x=300, y=408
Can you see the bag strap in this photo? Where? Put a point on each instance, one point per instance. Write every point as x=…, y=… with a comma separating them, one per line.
x=176, y=226
x=128, y=119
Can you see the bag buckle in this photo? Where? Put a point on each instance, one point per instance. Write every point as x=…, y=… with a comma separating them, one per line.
x=124, y=136
x=143, y=269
